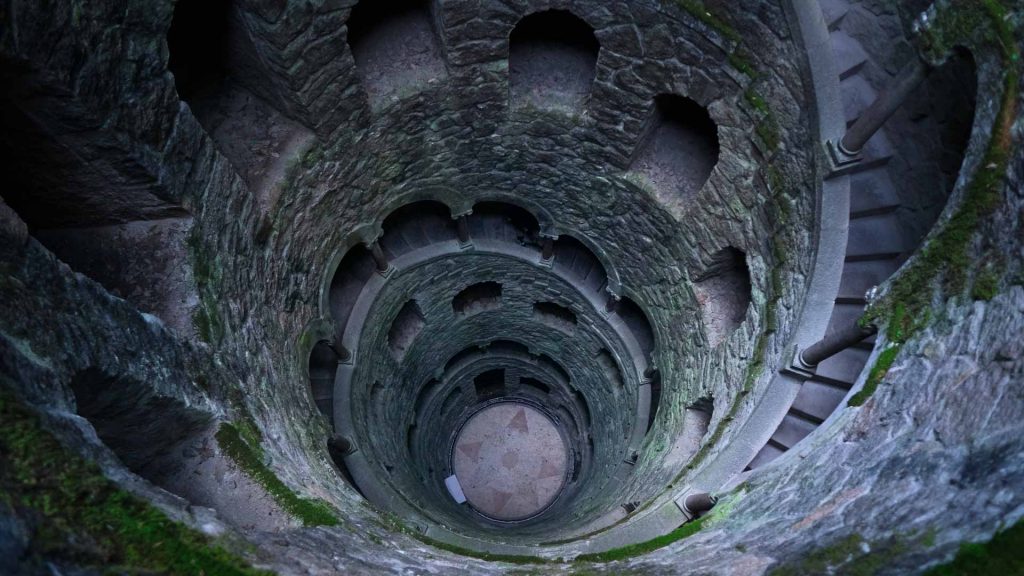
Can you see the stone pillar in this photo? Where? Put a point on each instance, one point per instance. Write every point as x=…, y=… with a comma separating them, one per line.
x=611, y=304
x=834, y=343
x=343, y=354
x=547, y=248
x=698, y=503
x=379, y=259
x=872, y=119
x=462, y=228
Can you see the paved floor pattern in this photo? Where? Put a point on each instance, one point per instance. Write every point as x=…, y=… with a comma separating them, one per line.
x=510, y=460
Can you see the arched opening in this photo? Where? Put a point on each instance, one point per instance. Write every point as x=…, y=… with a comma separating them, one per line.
x=552, y=61
x=396, y=48
x=477, y=298
x=723, y=291
x=504, y=223
x=141, y=426
x=406, y=327
x=679, y=148
x=354, y=270
x=323, y=365
x=555, y=316
x=636, y=321
x=212, y=58
x=577, y=261
x=489, y=384
x=415, y=226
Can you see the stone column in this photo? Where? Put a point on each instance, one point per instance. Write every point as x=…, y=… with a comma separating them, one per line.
x=872, y=119
x=379, y=259
x=547, y=248
x=835, y=343
x=462, y=228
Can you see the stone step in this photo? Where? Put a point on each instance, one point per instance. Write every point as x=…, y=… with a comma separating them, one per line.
x=856, y=95
x=872, y=191
x=818, y=399
x=850, y=57
x=881, y=233
x=767, y=454
x=859, y=277
x=843, y=368
x=834, y=11
x=793, y=429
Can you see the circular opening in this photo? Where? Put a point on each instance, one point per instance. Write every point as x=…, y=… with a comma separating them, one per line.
x=511, y=461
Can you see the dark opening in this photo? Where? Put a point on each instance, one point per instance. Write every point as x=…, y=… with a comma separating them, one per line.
x=723, y=292
x=461, y=356
x=141, y=427
x=610, y=367
x=407, y=326
x=555, y=316
x=354, y=271
x=490, y=384
x=198, y=42
x=395, y=47
x=635, y=319
x=504, y=222
x=477, y=298
x=679, y=149
x=536, y=384
x=578, y=261
x=415, y=226
x=323, y=364
x=552, y=61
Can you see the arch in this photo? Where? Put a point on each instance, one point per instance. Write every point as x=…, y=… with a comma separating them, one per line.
x=555, y=316
x=504, y=222
x=396, y=48
x=352, y=273
x=545, y=220
x=614, y=284
x=233, y=94
x=198, y=43
x=679, y=148
x=477, y=298
x=723, y=291
x=552, y=61
x=415, y=226
x=579, y=262
x=323, y=366
x=636, y=320
x=407, y=325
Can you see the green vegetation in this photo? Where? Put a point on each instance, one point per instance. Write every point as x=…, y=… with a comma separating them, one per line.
x=1000, y=555
x=986, y=283
x=853, y=556
x=233, y=441
x=688, y=529
x=878, y=372
x=945, y=262
x=77, y=515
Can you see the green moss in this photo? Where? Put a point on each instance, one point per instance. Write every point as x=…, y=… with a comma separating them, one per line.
x=684, y=531
x=944, y=264
x=986, y=283
x=699, y=11
x=850, y=556
x=77, y=516
x=310, y=512
x=878, y=372
x=999, y=556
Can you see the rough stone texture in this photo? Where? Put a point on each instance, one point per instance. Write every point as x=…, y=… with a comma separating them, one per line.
x=93, y=78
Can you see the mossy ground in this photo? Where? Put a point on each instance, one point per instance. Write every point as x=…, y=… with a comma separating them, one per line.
x=1000, y=555
x=79, y=517
x=236, y=441
x=684, y=531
